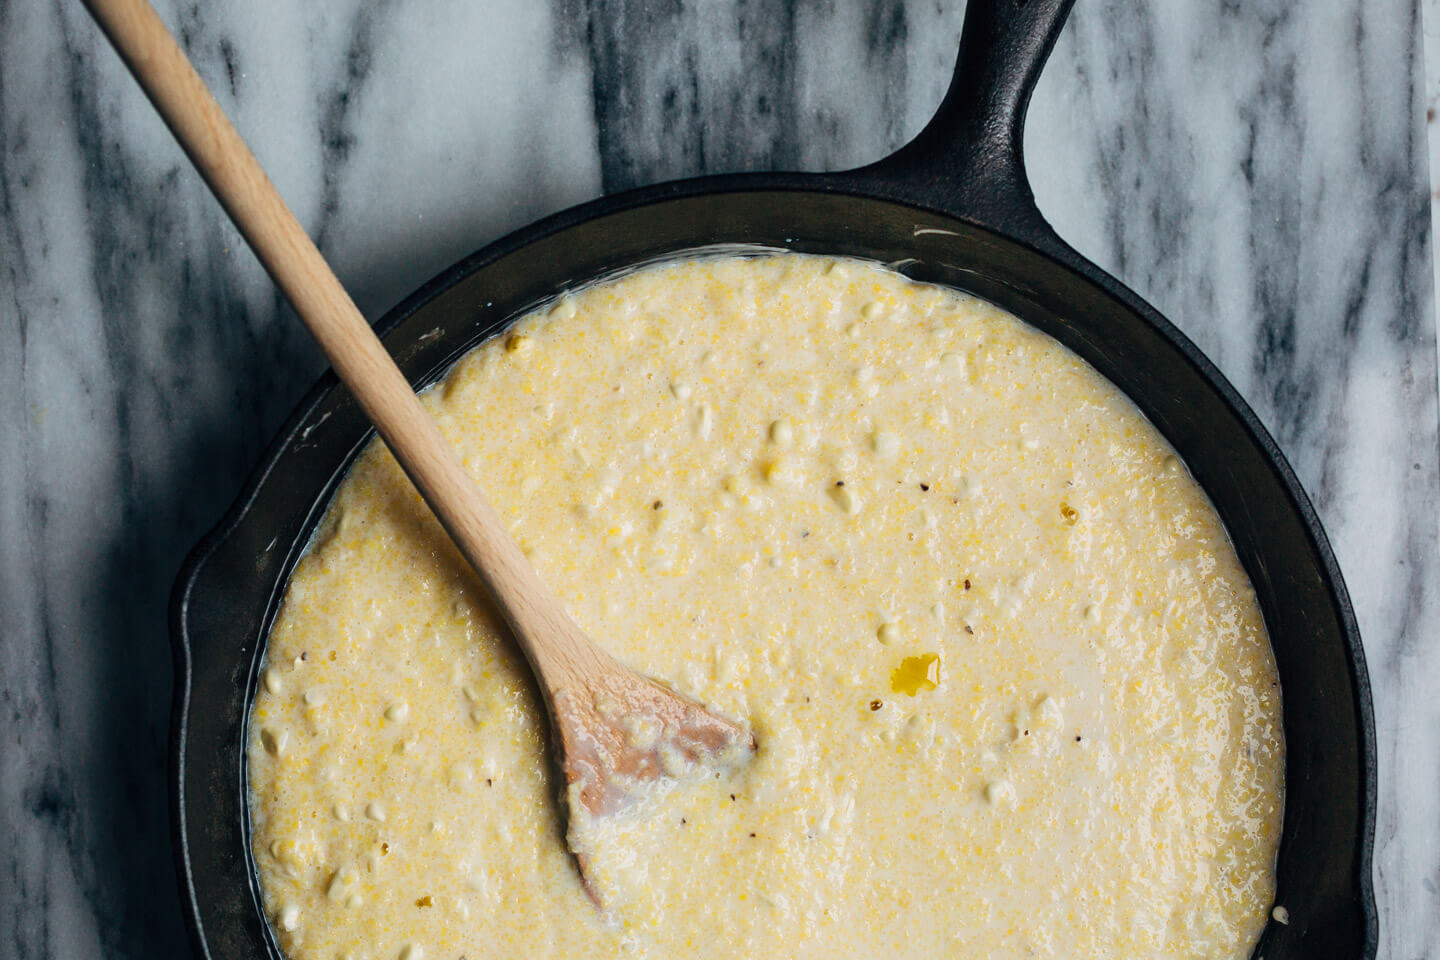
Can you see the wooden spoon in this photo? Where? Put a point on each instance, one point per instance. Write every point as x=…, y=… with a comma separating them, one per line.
x=596, y=706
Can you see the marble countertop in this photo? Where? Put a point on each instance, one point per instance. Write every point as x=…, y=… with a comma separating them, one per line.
x=1258, y=171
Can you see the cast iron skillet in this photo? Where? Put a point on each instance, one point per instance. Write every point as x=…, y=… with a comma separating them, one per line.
x=952, y=207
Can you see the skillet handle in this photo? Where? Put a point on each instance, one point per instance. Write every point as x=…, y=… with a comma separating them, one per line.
x=969, y=160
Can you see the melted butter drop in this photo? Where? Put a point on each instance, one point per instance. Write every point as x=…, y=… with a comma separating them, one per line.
x=915, y=674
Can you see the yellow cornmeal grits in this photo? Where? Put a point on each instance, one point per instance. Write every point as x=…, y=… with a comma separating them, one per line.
x=1013, y=694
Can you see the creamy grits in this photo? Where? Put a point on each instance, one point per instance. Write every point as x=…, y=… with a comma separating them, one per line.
x=1011, y=687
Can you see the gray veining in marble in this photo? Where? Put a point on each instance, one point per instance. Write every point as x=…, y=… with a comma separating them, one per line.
x=1257, y=170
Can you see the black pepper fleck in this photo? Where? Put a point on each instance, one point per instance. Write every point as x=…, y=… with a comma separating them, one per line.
x=924, y=488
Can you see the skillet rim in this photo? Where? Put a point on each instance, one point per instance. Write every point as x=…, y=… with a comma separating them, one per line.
x=852, y=185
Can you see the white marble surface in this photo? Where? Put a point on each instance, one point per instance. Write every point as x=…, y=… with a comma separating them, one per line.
x=1257, y=170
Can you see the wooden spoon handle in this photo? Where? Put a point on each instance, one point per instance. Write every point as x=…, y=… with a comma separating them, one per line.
x=551, y=641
